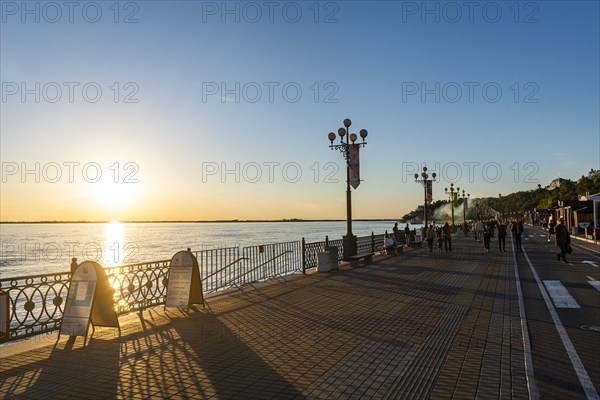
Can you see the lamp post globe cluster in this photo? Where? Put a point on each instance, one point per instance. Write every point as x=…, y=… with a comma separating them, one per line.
x=425, y=181
x=349, y=241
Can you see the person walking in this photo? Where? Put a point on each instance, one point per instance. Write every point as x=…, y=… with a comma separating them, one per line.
x=491, y=225
x=430, y=237
x=502, y=236
x=478, y=230
x=407, y=235
x=563, y=239
x=447, y=232
x=517, y=231
x=487, y=236
x=440, y=238
x=550, y=229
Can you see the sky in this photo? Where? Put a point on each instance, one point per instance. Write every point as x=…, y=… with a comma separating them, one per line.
x=200, y=110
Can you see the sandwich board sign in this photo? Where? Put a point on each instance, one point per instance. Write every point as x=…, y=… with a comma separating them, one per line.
x=90, y=299
x=185, y=285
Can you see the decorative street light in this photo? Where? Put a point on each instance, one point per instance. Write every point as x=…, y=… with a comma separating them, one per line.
x=349, y=241
x=426, y=184
x=453, y=194
x=464, y=205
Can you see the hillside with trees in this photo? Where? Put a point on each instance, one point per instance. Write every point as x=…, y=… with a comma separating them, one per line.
x=518, y=203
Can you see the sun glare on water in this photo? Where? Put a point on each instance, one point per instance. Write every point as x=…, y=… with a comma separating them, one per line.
x=114, y=244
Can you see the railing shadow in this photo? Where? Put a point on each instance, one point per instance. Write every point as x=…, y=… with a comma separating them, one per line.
x=227, y=361
x=79, y=371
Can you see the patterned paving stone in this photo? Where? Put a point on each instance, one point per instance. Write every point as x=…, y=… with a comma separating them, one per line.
x=421, y=325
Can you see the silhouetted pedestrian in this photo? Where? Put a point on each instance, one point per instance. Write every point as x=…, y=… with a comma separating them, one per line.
x=430, y=236
x=563, y=240
x=502, y=236
x=487, y=235
x=446, y=230
x=517, y=231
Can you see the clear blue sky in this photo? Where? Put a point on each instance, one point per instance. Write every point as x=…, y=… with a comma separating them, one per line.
x=372, y=59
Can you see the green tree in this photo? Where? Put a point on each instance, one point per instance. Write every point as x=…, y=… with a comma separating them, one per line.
x=589, y=184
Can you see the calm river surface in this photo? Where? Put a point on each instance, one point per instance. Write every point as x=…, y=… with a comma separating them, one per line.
x=29, y=249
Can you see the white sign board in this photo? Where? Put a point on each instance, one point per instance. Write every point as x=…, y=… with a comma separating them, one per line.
x=90, y=299
x=78, y=307
x=184, y=286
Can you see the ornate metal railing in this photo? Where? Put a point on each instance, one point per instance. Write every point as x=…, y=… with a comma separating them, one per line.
x=139, y=286
x=36, y=303
x=372, y=244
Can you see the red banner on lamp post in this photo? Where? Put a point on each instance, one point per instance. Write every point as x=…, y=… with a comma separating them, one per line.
x=429, y=190
x=354, y=166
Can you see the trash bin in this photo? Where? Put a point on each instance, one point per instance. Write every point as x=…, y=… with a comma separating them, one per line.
x=323, y=262
x=333, y=258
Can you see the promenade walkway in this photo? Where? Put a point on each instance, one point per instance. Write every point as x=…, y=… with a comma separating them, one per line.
x=415, y=326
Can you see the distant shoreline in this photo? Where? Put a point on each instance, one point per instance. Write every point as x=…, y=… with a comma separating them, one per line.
x=193, y=222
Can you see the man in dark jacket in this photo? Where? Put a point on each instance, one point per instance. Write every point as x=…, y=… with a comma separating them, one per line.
x=501, y=236
x=517, y=231
x=562, y=237
x=447, y=232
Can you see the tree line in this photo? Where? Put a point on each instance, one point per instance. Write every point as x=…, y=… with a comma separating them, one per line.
x=519, y=203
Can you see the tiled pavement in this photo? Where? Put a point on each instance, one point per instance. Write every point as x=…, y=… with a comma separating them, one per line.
x=415, y=326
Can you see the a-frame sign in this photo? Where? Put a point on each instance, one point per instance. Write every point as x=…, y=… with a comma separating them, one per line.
x=90, y=299
x=185, y=285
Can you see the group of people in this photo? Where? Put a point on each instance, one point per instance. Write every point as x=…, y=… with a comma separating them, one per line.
x=443, y=234
x=484, y=231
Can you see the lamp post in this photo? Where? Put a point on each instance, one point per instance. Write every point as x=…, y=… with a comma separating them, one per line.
x=349, y=241
x=464, y=197
x=425, y=181
x=452, y=193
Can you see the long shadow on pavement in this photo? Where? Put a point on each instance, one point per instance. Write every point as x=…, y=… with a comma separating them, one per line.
x=91, y=371
x=229, y=367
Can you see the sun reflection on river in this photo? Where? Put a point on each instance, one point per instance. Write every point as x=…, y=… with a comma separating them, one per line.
x=114, y=244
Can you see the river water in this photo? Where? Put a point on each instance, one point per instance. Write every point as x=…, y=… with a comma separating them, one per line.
x=30, y=249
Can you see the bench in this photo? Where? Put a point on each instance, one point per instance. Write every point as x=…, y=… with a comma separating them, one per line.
x=397, y=249
x=355, y=260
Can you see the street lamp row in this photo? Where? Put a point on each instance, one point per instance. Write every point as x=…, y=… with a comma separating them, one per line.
x=454, y=194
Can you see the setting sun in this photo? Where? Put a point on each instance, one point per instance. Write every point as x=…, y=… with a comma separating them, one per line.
x=115, y=196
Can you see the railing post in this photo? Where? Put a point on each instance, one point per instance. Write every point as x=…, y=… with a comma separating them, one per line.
x=372, y=242
x=74, y=265
x=303, y=256
x=326, y=242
